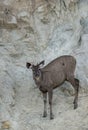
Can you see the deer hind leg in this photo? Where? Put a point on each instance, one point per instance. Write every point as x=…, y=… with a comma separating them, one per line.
x=75, y=84
x=76, y=92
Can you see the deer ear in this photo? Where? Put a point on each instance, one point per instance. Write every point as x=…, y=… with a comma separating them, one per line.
x=41, y=63
x=28, y=65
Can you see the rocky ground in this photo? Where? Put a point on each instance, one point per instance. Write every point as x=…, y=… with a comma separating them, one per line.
x=38, y=30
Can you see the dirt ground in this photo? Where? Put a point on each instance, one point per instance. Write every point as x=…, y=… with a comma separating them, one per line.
x=65, y=117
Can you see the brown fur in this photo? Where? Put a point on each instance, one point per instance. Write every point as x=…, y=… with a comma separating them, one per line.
x=53, y=75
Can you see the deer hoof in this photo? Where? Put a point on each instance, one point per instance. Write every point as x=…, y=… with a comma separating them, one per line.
x=45, y=114
x=51, y=117
x=75, y=106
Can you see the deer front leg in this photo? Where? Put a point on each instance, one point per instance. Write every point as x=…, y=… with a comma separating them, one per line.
x=45, y=103
x=50, y=94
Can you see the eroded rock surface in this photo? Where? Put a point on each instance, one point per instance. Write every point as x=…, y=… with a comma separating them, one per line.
x=38, y=30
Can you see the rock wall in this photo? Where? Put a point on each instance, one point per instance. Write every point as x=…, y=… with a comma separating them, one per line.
x=32, y=31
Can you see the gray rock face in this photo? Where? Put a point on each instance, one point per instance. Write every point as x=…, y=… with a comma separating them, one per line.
x=38, y=30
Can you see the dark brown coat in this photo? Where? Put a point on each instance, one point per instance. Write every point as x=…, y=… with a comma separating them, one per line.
x=53, y=75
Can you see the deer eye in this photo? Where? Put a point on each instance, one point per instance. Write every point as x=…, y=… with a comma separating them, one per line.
x=34, y=72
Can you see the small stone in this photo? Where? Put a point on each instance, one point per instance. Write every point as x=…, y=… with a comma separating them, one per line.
x=6, y=124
